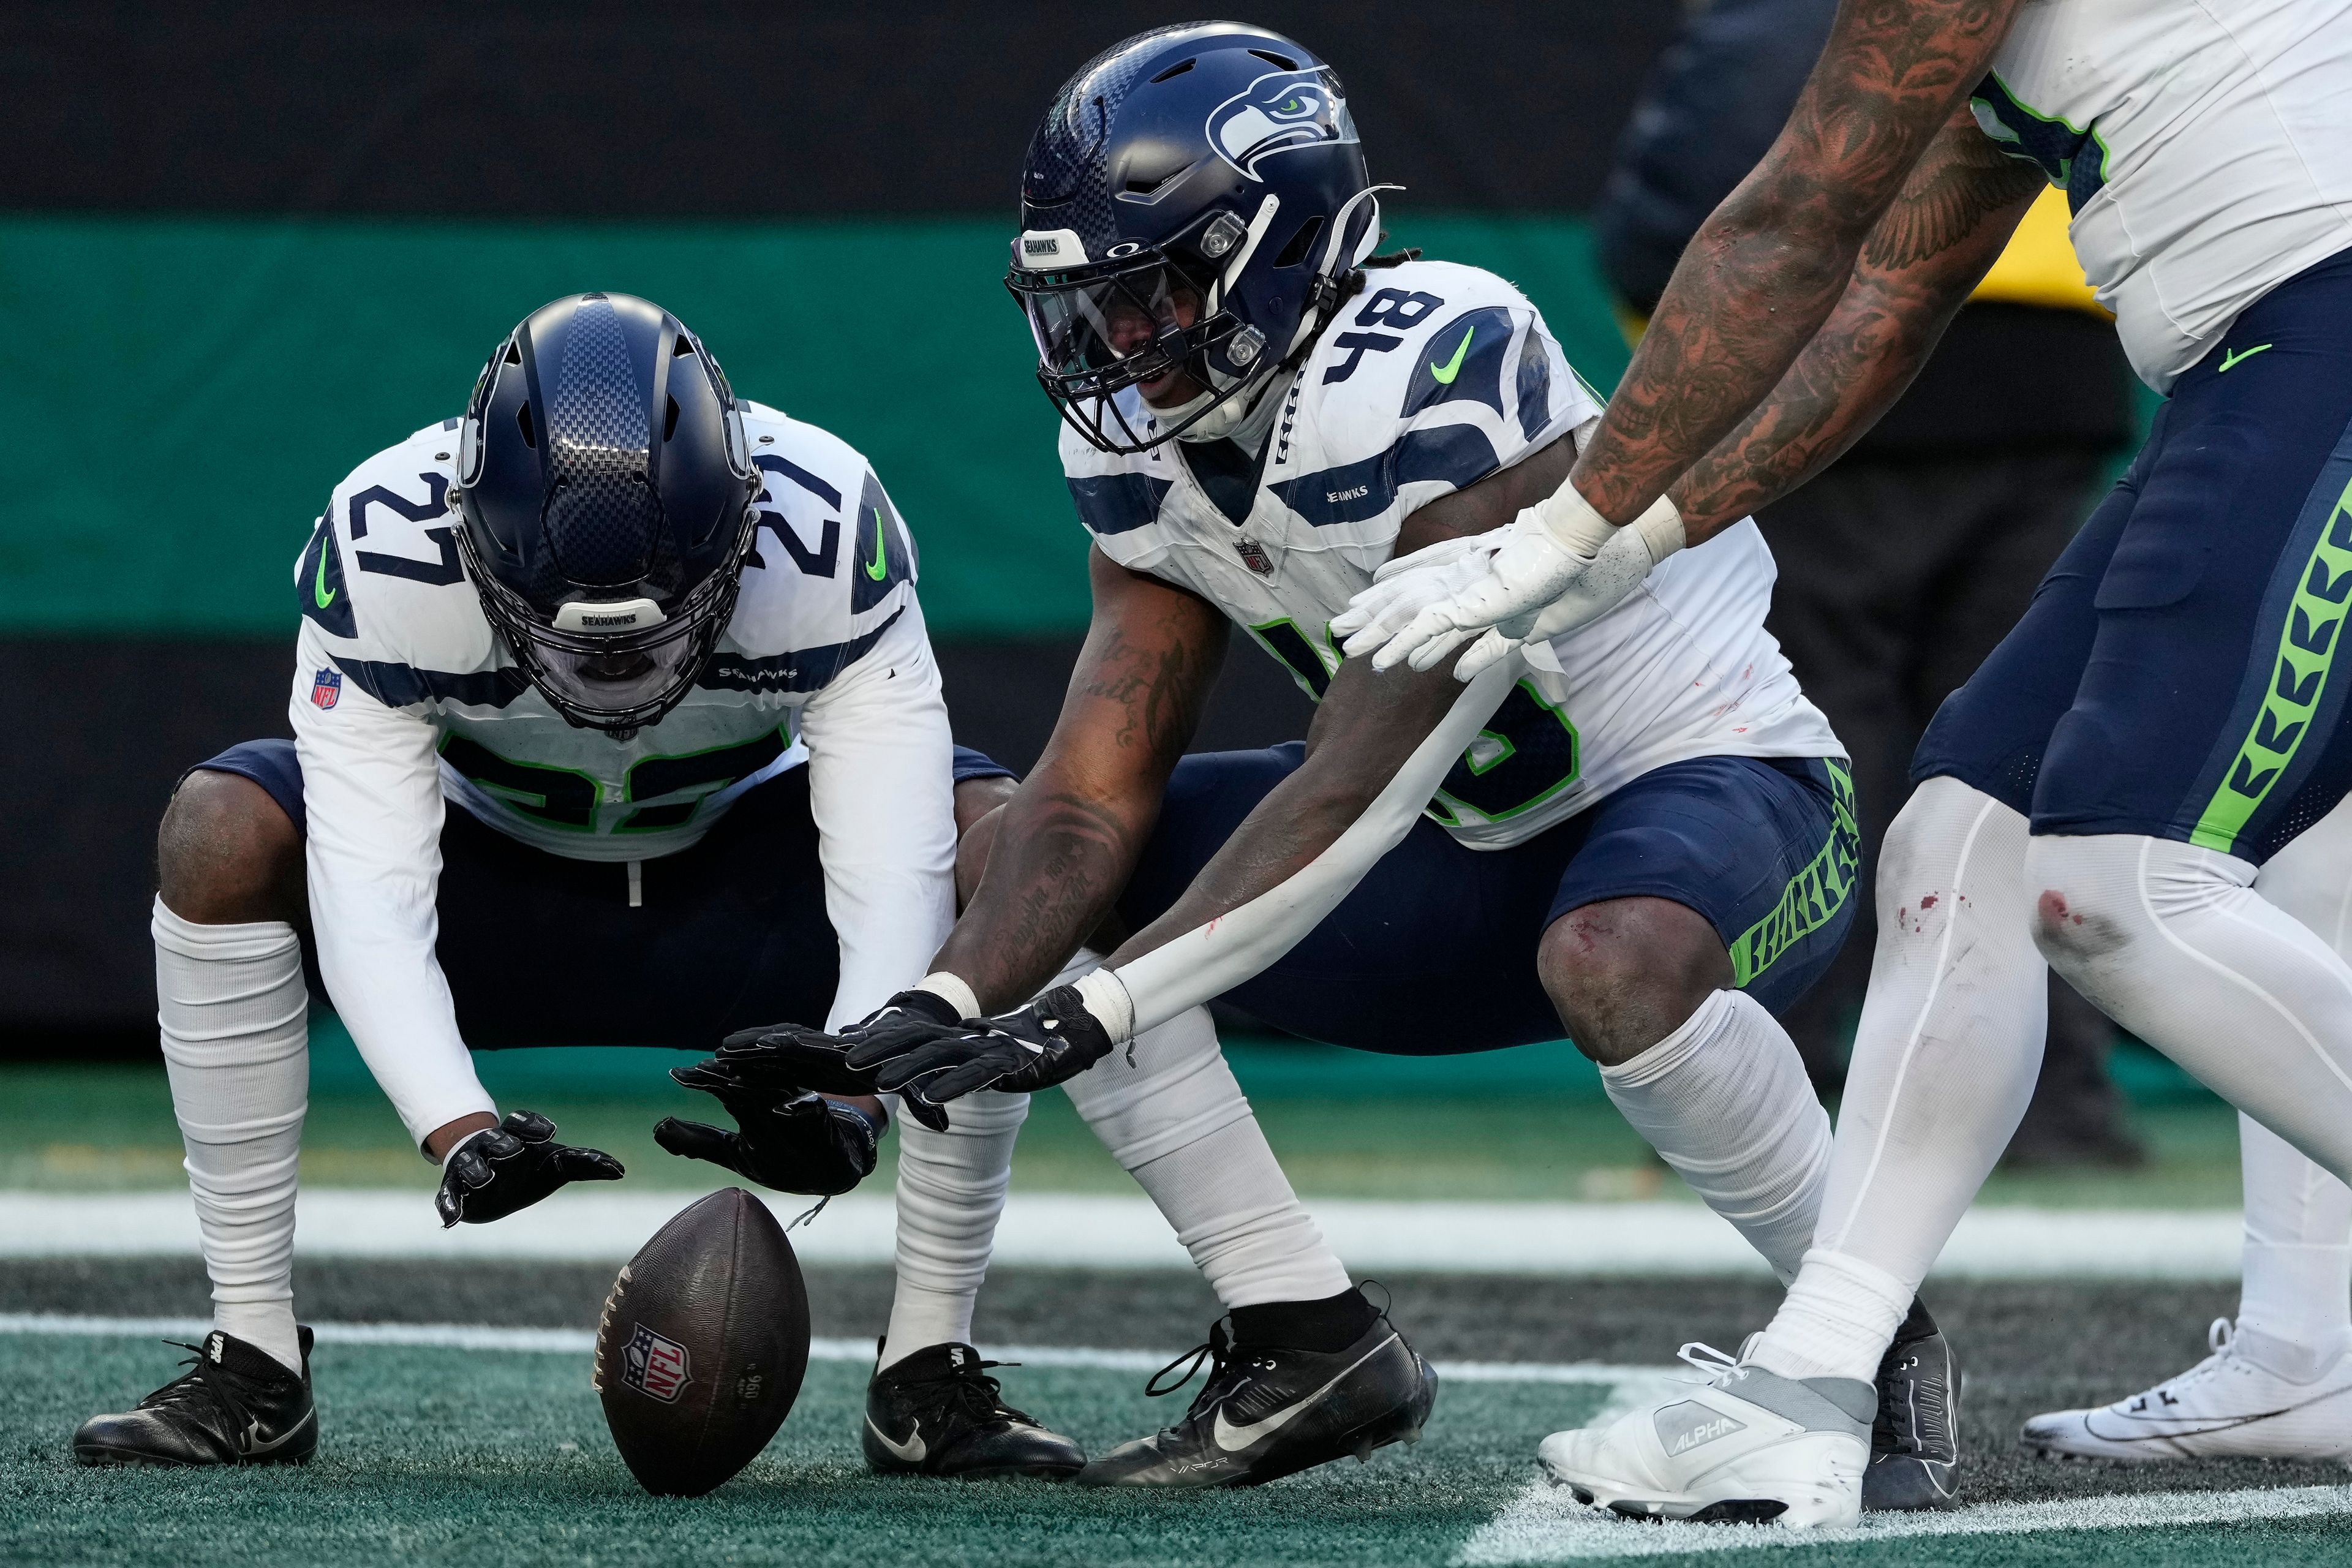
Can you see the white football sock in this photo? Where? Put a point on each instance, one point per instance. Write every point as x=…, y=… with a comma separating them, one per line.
x=2173, y=942
x=1945, y=1059
x=950, y=1194
x=2298, y=1260
x=234, y=1015
x=950, y=1191
x=2298, y=1292
x=1724, y=1101
x=1836, y=1320
x=1177, y=1122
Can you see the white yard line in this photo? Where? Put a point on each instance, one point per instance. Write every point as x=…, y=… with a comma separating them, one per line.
x=580, y=1342
x=1110, y=1231
x=1544, y=1524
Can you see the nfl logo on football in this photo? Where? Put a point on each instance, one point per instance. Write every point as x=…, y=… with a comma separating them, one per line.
x=327, y=689
x=655, y=1366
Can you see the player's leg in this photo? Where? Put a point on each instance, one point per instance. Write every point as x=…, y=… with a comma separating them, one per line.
x=2209, y=731
x=2279, y=1383
x=1699, y=889
x=1944, y=1061
x=233, y=1007
x=1319, y=1368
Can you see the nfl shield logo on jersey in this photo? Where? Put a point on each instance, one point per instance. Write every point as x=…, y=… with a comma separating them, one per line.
x=327, y=689
x=655, y=1366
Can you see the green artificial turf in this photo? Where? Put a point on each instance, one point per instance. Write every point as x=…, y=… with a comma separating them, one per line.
x=434, y=1456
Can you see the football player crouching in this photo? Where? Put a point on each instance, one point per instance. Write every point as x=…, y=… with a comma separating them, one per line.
x=606, y=616
x=1640, y=834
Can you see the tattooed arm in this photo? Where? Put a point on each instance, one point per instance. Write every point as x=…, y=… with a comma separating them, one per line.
x=1766, y=270
x=1917, y=270
x=1064, y=844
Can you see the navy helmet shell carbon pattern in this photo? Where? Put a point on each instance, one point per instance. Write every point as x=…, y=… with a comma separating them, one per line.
x=606, y=487
x=1191, y=209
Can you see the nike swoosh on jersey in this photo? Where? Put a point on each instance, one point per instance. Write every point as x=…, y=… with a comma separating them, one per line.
x=2229, y=359
x=912, y=1450
x=318, y=589
x=1447, y=373
x=879, y=568
x=1233, y=1439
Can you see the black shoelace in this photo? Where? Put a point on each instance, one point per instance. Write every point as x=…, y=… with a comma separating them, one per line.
x=205, y=1382
x=968, y=1391
x=1226, y=1372
x=1900, y=1399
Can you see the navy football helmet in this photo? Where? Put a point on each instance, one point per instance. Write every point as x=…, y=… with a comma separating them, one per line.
x=1192, y=210
x=606, y=488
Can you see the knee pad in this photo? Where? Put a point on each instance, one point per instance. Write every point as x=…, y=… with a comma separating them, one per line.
x=1178, y=1091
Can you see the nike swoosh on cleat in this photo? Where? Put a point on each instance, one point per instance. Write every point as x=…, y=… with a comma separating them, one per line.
x=2229, y=359
x=912, y=1450
x=879, y=568
x=255, y=1448
x=1233, y=1439
x=2189, y=1426
x=1447, y=373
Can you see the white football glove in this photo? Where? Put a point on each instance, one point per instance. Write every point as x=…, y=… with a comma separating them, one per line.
x=1554, y=567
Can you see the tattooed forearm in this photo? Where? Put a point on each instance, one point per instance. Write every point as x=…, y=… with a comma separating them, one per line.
x=1927, y=251
x=1059, y=860
x=1764, y=272
x=1064, y=846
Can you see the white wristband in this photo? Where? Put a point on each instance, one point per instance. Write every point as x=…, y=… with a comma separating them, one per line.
x=1660, y=528
x=1581, y=530
x=1104, y=994
x=1569, y=519
x=951, y=989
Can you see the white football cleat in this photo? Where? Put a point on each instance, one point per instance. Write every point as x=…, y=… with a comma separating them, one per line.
x=2227, y=1407
x=1747, y=1447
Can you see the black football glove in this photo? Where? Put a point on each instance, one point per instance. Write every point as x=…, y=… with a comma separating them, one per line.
x=792, y=1139
x=1050, y=1041
x=788, y=1055
x=512, y=1166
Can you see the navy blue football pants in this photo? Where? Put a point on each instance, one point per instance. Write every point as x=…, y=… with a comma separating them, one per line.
x=1434, y=950
x=2174, y=674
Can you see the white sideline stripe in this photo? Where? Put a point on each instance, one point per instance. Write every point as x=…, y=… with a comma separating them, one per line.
x=584, y=1223
x=1543, y=1524
x=580, y=1342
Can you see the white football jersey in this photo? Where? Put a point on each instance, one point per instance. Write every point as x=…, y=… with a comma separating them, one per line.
x=1435, y=376
x=404, y=697
x=2206, y=151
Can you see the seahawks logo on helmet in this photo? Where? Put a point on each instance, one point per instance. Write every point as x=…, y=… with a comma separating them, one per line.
x=1277, y=114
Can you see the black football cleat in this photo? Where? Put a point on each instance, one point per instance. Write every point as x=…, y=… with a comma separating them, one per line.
x=1266, y=1413
x=233, y=1406
x=1915, y=1443
x=937, y=1413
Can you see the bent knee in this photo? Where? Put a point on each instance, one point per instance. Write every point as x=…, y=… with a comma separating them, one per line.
x=1627, y=973
x=227, y=853
x=2086, y=906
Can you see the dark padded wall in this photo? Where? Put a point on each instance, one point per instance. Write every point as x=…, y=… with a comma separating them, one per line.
x=732, y=110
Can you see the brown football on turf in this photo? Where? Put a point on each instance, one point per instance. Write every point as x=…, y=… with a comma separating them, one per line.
x=702, y=1345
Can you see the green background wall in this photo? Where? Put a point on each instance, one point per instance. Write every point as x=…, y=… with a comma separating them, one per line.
x=182, y=393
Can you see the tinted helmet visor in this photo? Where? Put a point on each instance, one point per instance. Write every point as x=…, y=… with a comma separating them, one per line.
x=1107, y=334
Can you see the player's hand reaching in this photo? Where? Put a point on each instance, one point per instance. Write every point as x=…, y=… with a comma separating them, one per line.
x=790, y=1057
x=491, y=1173
x=792, y=1139
x=1555, y=566
x=1050, y=1041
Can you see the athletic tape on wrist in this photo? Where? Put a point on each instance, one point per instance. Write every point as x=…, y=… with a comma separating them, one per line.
x=1104, y=994
x=951, y=989
x=1580, y=529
